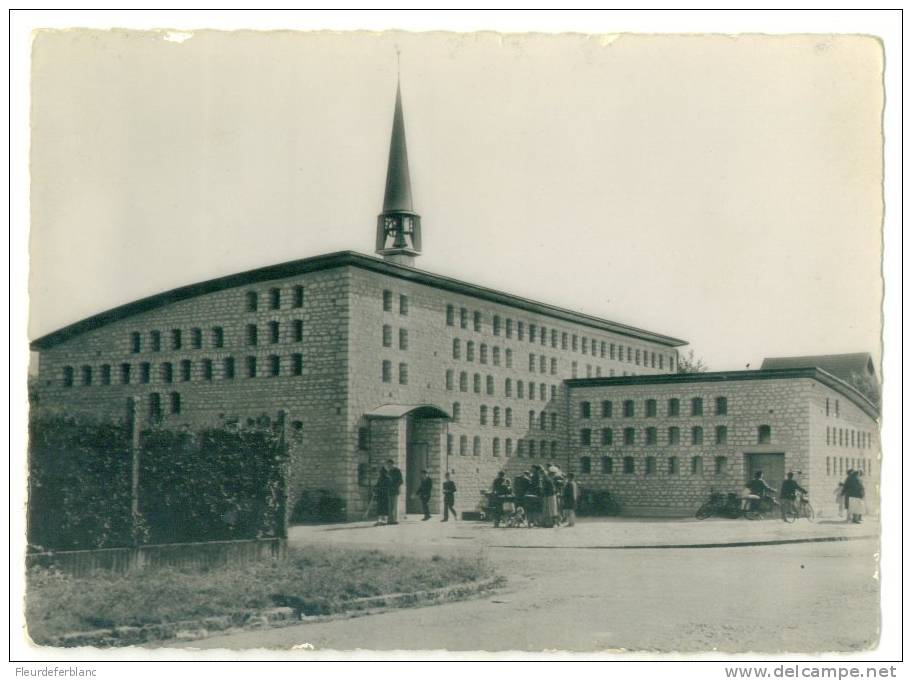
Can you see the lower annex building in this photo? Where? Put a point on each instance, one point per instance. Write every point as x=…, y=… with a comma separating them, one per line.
x=370, y=358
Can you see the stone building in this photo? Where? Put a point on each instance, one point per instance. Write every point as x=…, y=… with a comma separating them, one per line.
x=661, y=443
x=368, y=358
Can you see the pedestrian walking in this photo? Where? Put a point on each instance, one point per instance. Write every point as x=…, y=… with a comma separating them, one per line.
x=570, y=496
x=381, y=495
x=788, y=493
x=449, y=499
x=394, y=482
x=425, y=488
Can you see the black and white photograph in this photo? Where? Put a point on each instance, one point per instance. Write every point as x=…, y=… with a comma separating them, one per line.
x=494, y=343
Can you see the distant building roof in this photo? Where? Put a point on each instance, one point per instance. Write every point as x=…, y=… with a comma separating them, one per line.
x=814, y=373
x=841, y=366
x=330, y=261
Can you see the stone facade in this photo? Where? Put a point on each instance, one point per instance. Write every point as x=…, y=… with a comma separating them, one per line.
x=658, y=458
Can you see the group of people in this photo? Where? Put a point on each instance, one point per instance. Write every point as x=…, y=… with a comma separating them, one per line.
x=850, y=495
x=389, y=485
x=542, y=497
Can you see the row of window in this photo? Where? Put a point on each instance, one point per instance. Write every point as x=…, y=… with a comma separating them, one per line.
x=564, y=340
x=523, y=388
x=841, y=465
x=848, y=437
x=168, y=372
x=650, y=408
x=651, y=436
x=387, y=337
x=388, y=302
x=274, y=299
x=835, y=406
x=650, y=465
x=217, y=336
x=156, y=410
x=505, y=447
x=493, y=414
x=386, y=372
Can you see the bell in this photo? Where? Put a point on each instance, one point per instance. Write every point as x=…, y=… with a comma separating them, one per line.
x=400, y=241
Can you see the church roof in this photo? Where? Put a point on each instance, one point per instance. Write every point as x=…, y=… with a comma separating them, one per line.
x=398, y=195
x=842, y=366
x=336, y=260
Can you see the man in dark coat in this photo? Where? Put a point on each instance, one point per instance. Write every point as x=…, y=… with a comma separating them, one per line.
x=395, y=484
x=424, y=494
x=854, y=492
x=449, y=498
x=499, y=491
x=381, y=495
x=788, y=493
x=570, y=496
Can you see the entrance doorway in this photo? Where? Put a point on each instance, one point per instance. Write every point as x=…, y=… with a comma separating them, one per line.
x=417, y=460
x=772, y=465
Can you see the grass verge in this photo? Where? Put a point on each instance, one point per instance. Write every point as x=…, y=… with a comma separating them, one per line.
x=317, y=581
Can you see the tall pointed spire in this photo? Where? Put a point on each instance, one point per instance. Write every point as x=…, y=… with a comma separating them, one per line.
x=398, y=226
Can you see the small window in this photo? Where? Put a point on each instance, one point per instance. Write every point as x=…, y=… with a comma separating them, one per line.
x=275, y=298
x=496, y=416
x=403, y=339
x=298, y=299
x=387, y=301
x=297, y=330
x=495, y=446
x=156, y=339
x=273, y=332
x=554, y=366
x=520, y=389
x=607, y=409
x=457, y=348
x=508, y=446
x=607, y=465
x=86, y=375
x=721, y=435
x=106, y=374
x=764, y=435
x=175, y=403
x=629, y=408
x=470, y=351
x=508, y=387
x=531, y=449
x=403, y=304
x=542, y=364
x=585, y=410
x=251, y=367
x=186, y=369
x=532, y=362
x=629, y=465
x=483, y=353
x=650, y=465
x=207, y=369
x=629, y=436
x=483, y=415
x=476, y=320
x=585, y=345
x=495, y=356
x=574, y=342
x=674, y=435
x=450, y=315
x=602, y=349
x=386, y=371
x=721, y=406
x=463, y=445
x=457, y=411
x=554, y=338
x=837, y=407
x=508, y=331
x=674, y=407
x=135, y=342
x=196, y=338
x=297, y=364
x=476, y=383
x=155, y=410
x=496, y=325
x=696, y=465
x=476, y=446
x=508, y=417
x=463, y=381
x=573, y=369
x=275, y=365
x=650, y=408
x=489, y=385
x=607, y=436
x=218, y=337
x=449, y=379
x=585, y=437
x=520, y=331
x=651, y=436
x=228, y=367
x=251, y=334
x=403, y=374
x=673, y=466
x=463, y=318
x=696, y=406
x=387, y=336
x=363, y=438
x=696, y=435
x=145, y=371
x=167, y=372
x=721, y=464
x=585, y=464
x=508, y=358
x=252, y=301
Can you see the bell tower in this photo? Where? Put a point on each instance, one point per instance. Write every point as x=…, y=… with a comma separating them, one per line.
x=398, y=226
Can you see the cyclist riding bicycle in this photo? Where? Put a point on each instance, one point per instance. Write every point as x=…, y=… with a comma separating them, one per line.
x=789, y=493
x=756, y=489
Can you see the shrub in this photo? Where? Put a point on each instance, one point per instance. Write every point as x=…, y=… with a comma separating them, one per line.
x=319, y=506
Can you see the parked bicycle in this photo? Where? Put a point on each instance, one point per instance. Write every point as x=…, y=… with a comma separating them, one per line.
x=730, y=506
x=798, y=508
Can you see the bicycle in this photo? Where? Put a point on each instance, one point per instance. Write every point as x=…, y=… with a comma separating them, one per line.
x=798, y=508
x=725, y=505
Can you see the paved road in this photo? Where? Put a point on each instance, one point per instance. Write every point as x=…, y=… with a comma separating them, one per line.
x=803, y=597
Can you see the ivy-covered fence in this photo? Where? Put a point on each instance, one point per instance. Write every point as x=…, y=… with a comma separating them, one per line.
x=213, y=484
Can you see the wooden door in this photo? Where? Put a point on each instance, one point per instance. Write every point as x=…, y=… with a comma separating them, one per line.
x=416, y=461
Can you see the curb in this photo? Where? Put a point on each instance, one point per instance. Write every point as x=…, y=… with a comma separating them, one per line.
x=718, y=545
x=189, y=630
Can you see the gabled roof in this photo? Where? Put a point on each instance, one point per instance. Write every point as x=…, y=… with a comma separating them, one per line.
x=812, y=372
x=331, y=261
x=842, y=366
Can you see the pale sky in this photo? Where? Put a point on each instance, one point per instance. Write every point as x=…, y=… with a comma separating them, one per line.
x=722, y=190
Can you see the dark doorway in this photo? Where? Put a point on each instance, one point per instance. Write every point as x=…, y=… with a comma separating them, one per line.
x=416, y=461
x=772, y=465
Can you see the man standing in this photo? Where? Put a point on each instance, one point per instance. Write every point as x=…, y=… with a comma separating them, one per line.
x=395, y=483
x=498, y=492
x=788, y=493
x=449, y=499
x=571, y=497
x=424, y=494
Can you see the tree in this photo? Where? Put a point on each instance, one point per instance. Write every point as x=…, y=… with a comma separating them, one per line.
x=867, y=385
x=691, y=364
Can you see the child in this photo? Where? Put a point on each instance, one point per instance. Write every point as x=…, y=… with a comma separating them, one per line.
x=449, y=499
